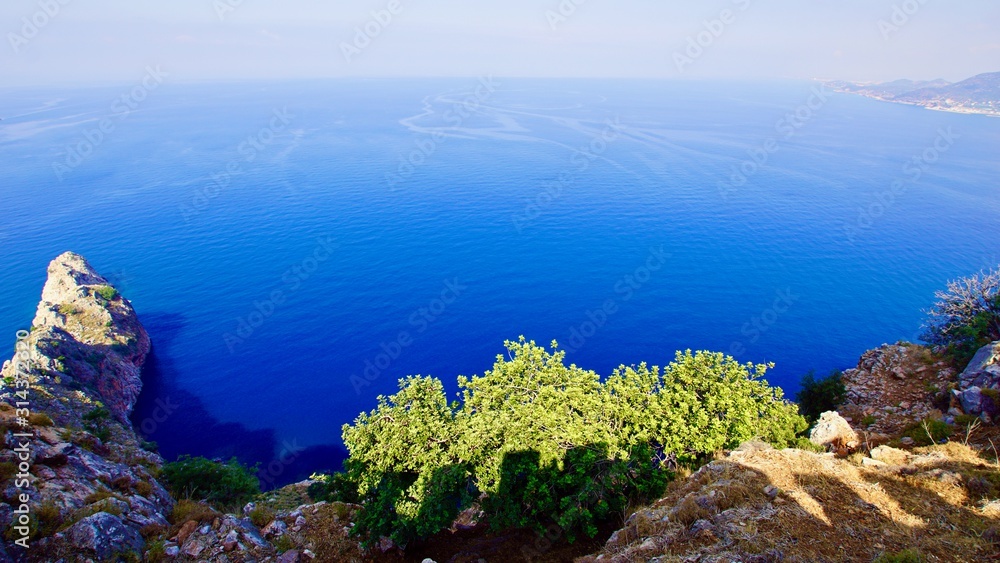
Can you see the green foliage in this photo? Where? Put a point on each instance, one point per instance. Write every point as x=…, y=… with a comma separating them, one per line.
x=227, y=484
x=817, y=396
x=966, y=316
x=96, y=422
x=541, y=442
x=905, y=556
x=868, y=420
x=928, y=432
x=107, y=292
x=262, y=516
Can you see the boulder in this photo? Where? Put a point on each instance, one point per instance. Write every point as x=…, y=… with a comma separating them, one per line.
x=984, y=369
x=834, y=433
x=104, y=535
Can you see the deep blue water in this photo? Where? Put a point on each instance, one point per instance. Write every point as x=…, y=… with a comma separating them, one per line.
x=528, y=209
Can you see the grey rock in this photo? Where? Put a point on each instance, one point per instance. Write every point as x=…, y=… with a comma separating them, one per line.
x=290, y=556
x=103, y=535
x=833, y=432
x=984, y=369
x=972, y=400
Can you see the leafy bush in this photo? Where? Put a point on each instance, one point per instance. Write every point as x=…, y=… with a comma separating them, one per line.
x=228, y=484
x=541, y=442
x=107, y=292
x=966, y=316
x=817, y=396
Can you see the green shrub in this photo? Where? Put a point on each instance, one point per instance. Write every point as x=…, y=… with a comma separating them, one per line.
x=905, y=556
x=338, y=487
x=262, y=516
x=817, y=396
x=928, y=432
x=543, y=443
x=39, y=419
x=228, y=484
x=107, y=292
x=966, y=316
x=868, y=420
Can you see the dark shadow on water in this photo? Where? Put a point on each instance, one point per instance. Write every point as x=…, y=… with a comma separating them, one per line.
x=178, y=422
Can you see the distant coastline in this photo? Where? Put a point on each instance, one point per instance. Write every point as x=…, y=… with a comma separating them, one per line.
x=979, y=95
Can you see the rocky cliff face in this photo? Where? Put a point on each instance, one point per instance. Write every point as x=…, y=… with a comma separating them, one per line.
x=76, y=480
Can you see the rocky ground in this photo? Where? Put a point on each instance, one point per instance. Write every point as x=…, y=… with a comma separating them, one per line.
x=763, y=505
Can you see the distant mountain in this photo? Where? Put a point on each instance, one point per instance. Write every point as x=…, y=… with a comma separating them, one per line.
x=979, y=94
x=980, y=89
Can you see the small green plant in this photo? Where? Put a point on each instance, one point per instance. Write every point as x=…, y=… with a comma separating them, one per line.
x=228, y=484
x=107, y=292
x=928, y=432
x=96, y=420
x=817, y=396
x=67, y=310
x=283, y=543
x=7, y=470
x=39, y=419
x=156, y=553
x=262, y=516
x=905, y=556
x=149, y=446
x=868, y=420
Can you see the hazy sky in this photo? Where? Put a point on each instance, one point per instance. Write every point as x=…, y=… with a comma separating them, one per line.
x=114, y=40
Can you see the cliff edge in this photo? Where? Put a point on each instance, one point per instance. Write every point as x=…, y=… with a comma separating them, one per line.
x=76, y=480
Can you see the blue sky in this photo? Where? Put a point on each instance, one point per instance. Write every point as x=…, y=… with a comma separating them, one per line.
x=114, y=40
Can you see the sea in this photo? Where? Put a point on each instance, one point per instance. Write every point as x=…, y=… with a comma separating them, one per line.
x=296, y=248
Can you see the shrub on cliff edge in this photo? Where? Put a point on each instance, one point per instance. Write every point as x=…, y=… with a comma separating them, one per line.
x=966, y=316
x=224, y=484
x=542, y=443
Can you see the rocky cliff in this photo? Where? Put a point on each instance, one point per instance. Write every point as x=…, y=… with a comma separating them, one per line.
x=76, y=479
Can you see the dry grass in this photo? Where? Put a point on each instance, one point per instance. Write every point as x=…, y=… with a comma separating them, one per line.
x=824, y=509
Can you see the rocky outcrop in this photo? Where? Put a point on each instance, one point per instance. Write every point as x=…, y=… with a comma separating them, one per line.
x=979, y=383
x=834, y=433
x=71, y=457
x=893, y=387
